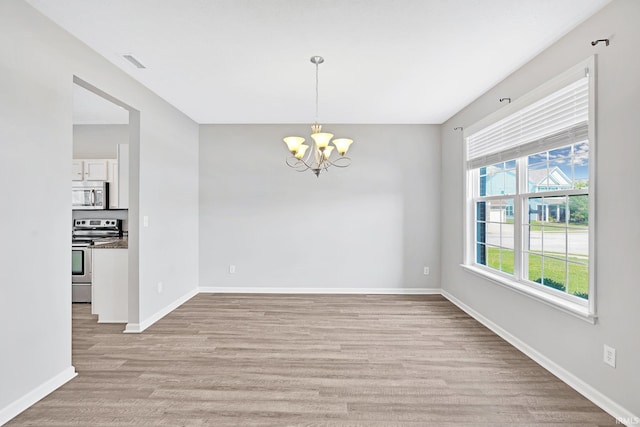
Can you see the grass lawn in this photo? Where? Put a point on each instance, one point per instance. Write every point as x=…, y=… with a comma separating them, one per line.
x=554, y=270
x=550, y=226
x=559, y=226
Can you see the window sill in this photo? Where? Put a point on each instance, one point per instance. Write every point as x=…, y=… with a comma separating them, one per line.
x=576, y=310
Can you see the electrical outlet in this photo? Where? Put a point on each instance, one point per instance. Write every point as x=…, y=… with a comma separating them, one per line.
x=160, y=287
x=232, y=269
x=426, y=271
x=145, y=221
x=609, y=356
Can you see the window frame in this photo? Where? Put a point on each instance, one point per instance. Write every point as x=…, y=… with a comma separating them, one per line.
x=583, y=309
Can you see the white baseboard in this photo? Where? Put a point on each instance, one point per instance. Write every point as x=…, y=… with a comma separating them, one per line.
x=285, y=290
x=136, y=328
x=621, y=414
x=13, y=409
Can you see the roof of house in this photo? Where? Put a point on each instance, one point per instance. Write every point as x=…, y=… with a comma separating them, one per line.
x=556, y=177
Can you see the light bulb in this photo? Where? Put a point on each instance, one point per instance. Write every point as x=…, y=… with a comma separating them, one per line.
x=301, y=150
x=327, y=152
x=322, y=139
x=293, y=143
x=342, y=145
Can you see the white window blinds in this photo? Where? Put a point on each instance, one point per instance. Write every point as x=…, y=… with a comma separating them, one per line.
x=557, y=119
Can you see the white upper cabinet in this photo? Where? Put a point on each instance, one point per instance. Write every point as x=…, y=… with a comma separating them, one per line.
x=96, y=170
x=90, y=170
x=77, y=170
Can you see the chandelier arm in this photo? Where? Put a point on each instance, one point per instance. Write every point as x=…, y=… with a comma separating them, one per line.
x=298, y=165
x=302, y=165
x=339, y=159
x=307, y=164
x=309, y=155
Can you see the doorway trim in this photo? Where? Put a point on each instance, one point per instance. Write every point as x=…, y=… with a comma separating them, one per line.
x=134, y=203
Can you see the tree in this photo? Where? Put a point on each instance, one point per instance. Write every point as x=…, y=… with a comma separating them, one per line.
x=579, y=209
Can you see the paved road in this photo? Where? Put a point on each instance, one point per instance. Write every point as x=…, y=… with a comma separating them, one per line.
x=577, y=241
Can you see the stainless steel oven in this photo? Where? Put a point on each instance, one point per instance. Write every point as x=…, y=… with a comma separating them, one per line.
x=86, y=231
x=81, y=272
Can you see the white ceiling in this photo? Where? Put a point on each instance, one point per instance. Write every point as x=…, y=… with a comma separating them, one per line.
x=386, y=61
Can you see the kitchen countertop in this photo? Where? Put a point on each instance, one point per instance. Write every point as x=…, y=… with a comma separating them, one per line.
x=119, y=243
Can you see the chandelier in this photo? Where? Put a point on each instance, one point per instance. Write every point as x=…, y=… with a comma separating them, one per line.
x=319, y=157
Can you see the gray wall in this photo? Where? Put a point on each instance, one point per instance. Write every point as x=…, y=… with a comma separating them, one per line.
x=371, y=226
x=571, y=343
x=98, y=141
x=38, y=61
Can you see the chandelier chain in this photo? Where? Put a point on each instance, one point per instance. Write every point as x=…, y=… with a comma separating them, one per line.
x=317, y=92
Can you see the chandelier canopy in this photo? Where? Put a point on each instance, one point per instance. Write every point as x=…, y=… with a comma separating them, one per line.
x=319, y=157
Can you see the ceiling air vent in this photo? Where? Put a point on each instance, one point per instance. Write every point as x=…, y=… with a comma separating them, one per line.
x=134, y=61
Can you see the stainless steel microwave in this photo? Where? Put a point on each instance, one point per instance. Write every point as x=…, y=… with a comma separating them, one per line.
x=90, y=195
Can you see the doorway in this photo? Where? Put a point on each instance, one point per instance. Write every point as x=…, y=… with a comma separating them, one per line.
x=105, y=133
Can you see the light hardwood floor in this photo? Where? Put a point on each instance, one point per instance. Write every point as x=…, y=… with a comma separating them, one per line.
x=307, y=360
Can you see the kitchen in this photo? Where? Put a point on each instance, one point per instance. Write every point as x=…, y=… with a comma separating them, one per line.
x=100, y=196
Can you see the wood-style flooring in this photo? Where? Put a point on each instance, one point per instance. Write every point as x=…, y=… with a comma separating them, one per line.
x=307, y=360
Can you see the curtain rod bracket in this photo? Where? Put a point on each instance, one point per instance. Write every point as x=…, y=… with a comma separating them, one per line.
x=458, y=128
x=505, y=99
x=595, y=42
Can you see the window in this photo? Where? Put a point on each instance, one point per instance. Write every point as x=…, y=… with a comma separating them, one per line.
x=530, y=193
